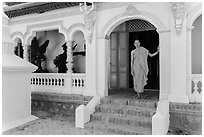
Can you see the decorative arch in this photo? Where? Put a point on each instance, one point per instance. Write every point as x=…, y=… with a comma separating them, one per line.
x=32, y=29
x=193, y=15
x=130, y=13
x=17, y=35
x=74, y=28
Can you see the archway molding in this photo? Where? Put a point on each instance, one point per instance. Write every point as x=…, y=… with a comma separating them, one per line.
x=32, y=29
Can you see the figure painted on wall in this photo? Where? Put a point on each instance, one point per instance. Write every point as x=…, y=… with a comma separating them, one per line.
x=139, y=67
x=61, y=60
x=37, y=54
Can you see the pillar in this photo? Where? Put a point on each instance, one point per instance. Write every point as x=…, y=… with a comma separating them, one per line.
x=91, y=67
x=164, y=64
x=26, y=52
x=102, y=63
x=178, y=58
x=189, y=70
x=69, y=67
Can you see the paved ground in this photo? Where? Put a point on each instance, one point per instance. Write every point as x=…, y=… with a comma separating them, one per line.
x=48, y=124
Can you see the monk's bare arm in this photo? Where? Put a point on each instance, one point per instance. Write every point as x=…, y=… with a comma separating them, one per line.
x=154, y=54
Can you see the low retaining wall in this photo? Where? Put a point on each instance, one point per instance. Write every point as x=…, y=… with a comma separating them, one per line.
x=185, y=119
x=62, y=104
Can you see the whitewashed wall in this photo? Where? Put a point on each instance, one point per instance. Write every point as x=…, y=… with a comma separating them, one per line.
x=109, y=16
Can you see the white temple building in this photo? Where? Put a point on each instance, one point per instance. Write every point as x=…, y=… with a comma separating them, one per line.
x=104, y=33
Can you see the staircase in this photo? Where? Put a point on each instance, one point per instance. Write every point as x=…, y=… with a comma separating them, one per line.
x=123, y=115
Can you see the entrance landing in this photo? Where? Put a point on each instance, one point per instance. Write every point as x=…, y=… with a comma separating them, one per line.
x=151, y=95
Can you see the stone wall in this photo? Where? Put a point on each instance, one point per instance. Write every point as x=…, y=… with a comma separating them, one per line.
x=185, y=118
x=61, y=104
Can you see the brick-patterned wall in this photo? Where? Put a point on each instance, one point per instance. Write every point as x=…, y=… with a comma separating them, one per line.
x=60, y=104
x=185, y=118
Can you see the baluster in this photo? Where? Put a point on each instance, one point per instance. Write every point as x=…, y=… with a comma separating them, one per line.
x=74, y=82
x=46, y=81
x=56, y=81
x=196, y=86
x=42, y=81
x=82, y=82
x=62, y=82
x=36, y=81
x=59, y=80
x=79, y=82
x=53, y=82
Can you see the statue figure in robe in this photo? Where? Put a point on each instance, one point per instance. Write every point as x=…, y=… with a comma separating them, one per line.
x=38, y=54
x=139, y=67
x=61, y=60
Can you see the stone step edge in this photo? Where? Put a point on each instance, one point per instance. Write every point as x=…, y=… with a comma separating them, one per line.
x=118, y=120
x=60, y=95
x=62, y=101
x=139, y=111
x=125, y=128
x=127, y=107
x=142, y=103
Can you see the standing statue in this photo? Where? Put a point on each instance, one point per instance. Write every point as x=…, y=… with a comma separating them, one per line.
x=37, y=54
x=61, y=60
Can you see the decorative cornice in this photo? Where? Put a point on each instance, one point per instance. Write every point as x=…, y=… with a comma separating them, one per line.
x=178, y=9
x=131, y=10
x=40, y=8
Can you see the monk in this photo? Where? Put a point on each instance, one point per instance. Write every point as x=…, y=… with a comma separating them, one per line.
x=139, y=67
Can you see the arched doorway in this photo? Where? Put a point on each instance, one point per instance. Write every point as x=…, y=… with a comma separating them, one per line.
x=121, y=45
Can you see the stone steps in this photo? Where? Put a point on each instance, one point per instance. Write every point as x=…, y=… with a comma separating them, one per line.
x=114, y=129
x=136, y=121
x=123, y=116
x=129, y=102
x=125, y=110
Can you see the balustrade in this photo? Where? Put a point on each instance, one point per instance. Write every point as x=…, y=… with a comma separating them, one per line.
x=196, y=88
x=55, y=82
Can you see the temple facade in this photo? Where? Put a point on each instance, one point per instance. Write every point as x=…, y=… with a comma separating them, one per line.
x=103, y=36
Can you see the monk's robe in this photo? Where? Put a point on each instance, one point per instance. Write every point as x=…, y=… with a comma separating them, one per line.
x=139, y=68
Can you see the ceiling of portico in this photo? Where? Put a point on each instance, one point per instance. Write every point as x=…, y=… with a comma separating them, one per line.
x=15, y=9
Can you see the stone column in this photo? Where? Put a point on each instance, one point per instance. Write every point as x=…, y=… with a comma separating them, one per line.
x=25, y=52
x=69, y=67
x=189, y=66
x=69, y=57
x=178, y=59
x=164, y=64
x=103, y=59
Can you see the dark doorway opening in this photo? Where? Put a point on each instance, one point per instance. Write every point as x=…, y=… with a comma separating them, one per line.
x=150, y=40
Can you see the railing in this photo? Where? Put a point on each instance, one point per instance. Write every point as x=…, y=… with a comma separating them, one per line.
x=78, y=82
x=57, y=83
x=196, y=88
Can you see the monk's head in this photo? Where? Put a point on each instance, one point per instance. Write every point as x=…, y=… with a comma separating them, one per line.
x=137, y=43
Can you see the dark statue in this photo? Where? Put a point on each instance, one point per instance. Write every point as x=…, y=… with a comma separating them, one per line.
x=61, y=60
x=37, y=54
